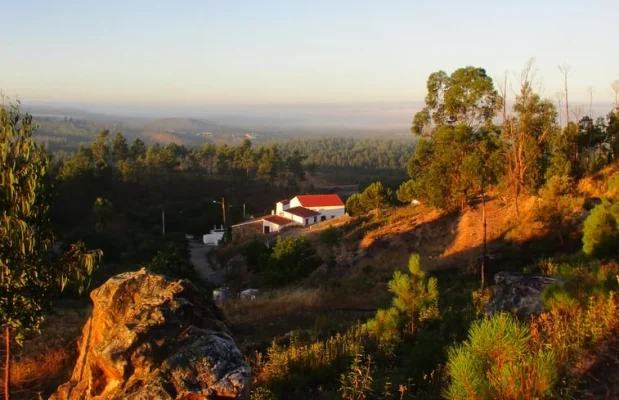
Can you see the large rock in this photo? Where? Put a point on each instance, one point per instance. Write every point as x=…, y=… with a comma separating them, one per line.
x=519, y=293
x=153, y=337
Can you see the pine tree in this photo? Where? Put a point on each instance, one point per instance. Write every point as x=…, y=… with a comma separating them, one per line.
x=415, y=295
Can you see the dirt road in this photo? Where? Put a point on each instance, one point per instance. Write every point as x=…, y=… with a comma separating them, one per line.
x=200, y=262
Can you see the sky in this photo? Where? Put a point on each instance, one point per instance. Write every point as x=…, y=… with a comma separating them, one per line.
x=207, y=53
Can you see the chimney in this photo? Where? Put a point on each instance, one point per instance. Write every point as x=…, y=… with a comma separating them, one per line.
x=272, y=212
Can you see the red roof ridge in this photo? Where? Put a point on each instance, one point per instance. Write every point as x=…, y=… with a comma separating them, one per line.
x=320, y=200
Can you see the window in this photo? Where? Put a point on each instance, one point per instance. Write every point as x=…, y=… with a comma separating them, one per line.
x=315, y=219
x=306, y=221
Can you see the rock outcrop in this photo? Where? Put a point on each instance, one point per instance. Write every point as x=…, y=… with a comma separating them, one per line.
x=153, y=337
x=519, y=293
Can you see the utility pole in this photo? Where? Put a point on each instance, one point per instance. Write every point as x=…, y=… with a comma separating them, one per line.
x=223, y=210
x=243, y=210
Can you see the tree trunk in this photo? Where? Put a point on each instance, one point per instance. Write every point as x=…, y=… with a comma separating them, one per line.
x=413, y=324
x=484, y=256
x=7, y=364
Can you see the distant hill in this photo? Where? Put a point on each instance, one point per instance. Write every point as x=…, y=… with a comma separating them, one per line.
x=186, y=125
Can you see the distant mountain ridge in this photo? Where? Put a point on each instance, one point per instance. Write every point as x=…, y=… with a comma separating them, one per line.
x=185, y=125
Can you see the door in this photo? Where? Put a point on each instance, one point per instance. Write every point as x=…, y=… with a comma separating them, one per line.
x=267, y=229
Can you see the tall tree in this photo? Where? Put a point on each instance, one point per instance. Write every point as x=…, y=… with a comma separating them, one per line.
x=467, y=96
x=137, y=149
x=565, y=71
x=615, y=87
x=374, y=197
x=120, y=150
x=458, y=107
x=100, y=149
x=207, y=156
x=527, y=136
x=29, y=273
x=480, y=169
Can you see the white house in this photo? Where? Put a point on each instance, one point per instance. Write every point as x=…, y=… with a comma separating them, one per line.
x=302, y=210
x=328, y=205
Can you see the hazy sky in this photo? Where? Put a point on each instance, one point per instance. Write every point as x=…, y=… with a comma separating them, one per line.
x=197, y=53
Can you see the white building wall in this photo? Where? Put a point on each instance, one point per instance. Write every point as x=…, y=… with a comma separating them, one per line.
x=274, y=227
x=280, y=207
x=295, y=202
x=330, y=212
x=293, y=217
x=213, y=237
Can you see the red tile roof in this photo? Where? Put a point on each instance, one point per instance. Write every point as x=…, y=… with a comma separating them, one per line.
x=320, y=200
x=277, y=220
x=302, y=212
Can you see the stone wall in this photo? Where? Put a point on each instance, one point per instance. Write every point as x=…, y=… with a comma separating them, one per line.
x=245, y=231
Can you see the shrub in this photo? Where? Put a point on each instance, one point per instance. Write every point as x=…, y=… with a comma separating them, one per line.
x=172, y=265
x=556, y=205
x=415, y=295
x=497, y=361
x=256, y=254
x=386, y=329
x=292, y=258
x=285, y=368
x=601, y=232
x=330, y=236
x=356, y=384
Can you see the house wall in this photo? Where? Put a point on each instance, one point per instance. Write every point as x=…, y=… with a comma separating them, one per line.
x=279, y=207
x=274, y=227
x=330, y=212
x=295, y=218
x=301, y=220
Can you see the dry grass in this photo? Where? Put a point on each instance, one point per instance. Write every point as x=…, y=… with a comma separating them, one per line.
x=400, y=221
x=46, y=360
x=282, y=304
x=596, y=185
x=274, y=305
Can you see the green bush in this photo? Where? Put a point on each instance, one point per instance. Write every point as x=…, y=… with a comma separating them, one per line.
x=292, y=258
x=330, y=236
x=353, y=206
x=172, y=265
x=499, y=362
x=601, y=231
x=386, y=329
x=256, y=254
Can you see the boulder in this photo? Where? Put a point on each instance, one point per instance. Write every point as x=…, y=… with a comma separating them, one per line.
x=154, y=337
x=519, y=293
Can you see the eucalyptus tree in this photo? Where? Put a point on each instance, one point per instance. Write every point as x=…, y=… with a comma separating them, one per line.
x=29, y=270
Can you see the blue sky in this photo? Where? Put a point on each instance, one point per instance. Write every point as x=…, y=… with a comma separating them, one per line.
x=195, y=53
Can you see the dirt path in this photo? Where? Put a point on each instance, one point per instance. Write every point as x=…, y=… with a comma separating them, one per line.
x=200, y=262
